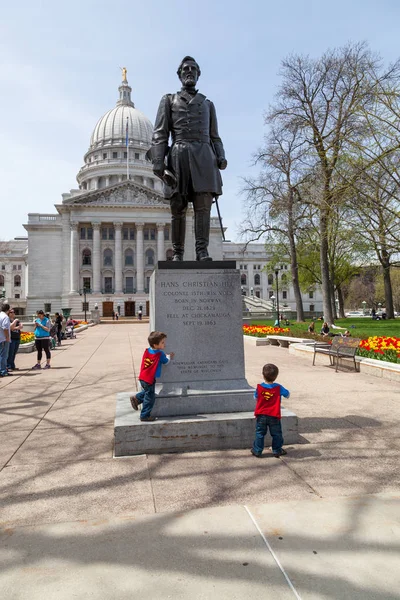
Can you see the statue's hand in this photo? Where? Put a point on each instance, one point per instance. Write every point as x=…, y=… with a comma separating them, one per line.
x=222, y=164
x=159, y=173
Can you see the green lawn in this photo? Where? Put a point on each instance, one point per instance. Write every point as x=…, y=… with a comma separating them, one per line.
x=359, y=327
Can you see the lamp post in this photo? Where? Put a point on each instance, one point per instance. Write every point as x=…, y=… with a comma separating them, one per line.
x=83, y=293
x=364, y=304
x=277, y=296
x=273, y=302
x=3, y=292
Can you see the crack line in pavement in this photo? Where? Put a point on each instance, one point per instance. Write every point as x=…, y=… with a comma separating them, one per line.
x=276, y=559
x=301, y=478
x=151, y=484
x=58, y=397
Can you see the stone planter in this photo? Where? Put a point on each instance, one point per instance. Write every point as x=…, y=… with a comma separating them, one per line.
x=26, y=348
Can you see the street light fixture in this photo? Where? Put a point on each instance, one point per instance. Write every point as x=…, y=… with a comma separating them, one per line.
x=364, y=304
x=3, y=292
x=273, y=302
x=83, y=293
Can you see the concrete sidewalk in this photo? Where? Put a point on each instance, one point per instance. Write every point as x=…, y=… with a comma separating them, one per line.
x=322, y=522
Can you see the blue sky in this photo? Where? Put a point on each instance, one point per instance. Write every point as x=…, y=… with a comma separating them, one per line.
x=60, y=72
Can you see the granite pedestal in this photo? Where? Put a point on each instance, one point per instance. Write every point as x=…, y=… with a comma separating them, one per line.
x=203, y=400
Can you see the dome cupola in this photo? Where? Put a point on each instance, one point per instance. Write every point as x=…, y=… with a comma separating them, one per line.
x=108, y=155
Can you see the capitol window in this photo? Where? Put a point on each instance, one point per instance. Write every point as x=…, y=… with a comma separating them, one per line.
x=270, y=279
x=166, y=233
x=86, y=257
x=104, y=155
x=128, y=233
x=284, y=295
x=17, y=281
x=1, y=280
x=107, y=258
x=107, y=233
x=243, y=279
x=257, y=279
x=149, y=257
x=128, y=257
x=137, y=156
x=115, y=154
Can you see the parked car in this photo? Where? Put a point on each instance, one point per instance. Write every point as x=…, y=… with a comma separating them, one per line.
x=354, y=313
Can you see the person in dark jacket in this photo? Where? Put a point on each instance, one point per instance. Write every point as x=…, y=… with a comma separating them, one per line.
x=190, y=168
x=16, y=328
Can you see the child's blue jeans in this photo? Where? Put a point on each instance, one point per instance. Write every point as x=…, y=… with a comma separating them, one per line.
x=147, y=396
x=275, y=429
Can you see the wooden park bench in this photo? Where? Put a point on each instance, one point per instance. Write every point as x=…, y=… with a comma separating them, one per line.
x=341, y=347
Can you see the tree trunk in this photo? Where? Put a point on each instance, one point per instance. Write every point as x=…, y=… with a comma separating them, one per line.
x=387, y=282
x=341, y=302
x=295, y=271
x=326, y=291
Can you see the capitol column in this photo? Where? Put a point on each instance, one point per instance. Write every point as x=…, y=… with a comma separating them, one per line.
x=96, y=287
x=118, y=257
x=139, y=258
x=74, y=259
x=66, y=239
x=160, y=242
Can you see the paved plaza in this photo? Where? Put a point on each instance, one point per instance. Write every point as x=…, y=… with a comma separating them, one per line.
x=322, y=522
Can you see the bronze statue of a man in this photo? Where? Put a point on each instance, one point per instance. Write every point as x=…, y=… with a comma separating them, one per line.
x=190, y=167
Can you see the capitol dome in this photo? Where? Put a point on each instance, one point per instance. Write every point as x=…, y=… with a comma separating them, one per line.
x=111, y=127
x=109, y=160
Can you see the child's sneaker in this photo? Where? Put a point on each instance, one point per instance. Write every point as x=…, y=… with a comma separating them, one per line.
x=281, y=452
x=148, y=419
x=47, y=367
x=255, y=453
x=134, y=402
x=37, y=366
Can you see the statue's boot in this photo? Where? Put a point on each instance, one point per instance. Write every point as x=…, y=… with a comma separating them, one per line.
x=202, y=225
x=178, y=229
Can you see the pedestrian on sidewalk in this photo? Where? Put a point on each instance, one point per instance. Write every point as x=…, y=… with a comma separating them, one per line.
x=268, y=412
x=15, y=328
x=4, y=338
x=42, y=339
x=153, y=359
x=59, y=324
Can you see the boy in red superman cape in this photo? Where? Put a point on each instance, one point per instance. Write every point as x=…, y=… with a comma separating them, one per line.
x=268, y=412
x=152, y=361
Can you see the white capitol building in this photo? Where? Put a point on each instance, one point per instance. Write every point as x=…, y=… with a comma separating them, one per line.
x=106, y=236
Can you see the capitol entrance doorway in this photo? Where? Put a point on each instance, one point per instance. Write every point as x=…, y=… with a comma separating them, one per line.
x=129, y=309
x=108, y=309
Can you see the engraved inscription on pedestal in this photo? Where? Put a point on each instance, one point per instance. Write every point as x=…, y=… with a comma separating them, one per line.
x=201, y=313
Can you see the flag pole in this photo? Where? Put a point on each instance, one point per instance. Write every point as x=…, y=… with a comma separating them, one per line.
x=127, y=149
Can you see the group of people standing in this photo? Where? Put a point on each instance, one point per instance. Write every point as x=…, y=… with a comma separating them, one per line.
x=10, y=337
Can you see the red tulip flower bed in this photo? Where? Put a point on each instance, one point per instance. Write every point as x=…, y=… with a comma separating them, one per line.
x=263, y=330
x=381, y=348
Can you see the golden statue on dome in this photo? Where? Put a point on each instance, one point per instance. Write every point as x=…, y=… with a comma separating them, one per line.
x=124, y=72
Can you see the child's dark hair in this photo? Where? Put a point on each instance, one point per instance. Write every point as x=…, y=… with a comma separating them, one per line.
x=270, y=372
x=156, y=337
